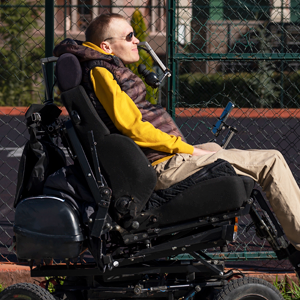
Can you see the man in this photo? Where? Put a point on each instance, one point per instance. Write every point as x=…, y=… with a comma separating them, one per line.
x=119, y=97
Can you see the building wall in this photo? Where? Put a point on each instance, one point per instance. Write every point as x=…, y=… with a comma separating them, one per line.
x=72, y=18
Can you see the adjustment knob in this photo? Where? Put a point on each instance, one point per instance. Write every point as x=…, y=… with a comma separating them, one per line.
x=135, y=225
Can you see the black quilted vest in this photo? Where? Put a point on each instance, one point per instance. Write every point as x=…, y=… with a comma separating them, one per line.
x=130, y=83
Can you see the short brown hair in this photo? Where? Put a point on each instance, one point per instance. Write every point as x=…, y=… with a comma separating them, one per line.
x=97, y=30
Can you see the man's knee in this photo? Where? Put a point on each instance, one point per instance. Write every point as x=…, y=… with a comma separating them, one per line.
x=277, y=154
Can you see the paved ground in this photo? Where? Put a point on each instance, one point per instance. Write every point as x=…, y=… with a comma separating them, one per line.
x=12, y=273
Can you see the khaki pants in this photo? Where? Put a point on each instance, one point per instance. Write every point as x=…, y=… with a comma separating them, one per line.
x=267, y=167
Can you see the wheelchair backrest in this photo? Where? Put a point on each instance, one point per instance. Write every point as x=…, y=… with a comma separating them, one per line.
x=126, y=169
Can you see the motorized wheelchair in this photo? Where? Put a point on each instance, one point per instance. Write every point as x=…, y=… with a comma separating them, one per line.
x=97, y=203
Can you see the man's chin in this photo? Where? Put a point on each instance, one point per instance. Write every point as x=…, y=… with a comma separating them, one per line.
x=131, y=61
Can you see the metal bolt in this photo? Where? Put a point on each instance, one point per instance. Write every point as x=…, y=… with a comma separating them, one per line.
x=90, y=220
x=118, y=227
x=135, y=225
x=183, y=249
x=145, y=235
x=137, y=290
x=221, y=273
x=174, y=248
x=89, y=174
x=197, y=288
x=116, y=263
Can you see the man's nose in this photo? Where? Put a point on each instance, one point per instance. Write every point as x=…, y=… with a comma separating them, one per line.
x=136, y=40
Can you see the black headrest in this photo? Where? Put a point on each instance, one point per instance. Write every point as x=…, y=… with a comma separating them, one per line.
x=68, y=72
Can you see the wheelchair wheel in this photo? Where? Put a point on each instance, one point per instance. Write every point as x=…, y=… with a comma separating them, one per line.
x=249, y=288
x=26, y=291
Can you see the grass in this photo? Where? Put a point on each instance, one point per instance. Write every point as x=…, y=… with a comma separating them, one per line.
x=59, y=280
x=288, y=288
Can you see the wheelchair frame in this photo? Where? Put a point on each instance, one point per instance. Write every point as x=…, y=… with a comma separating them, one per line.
x=148, y=272
x=132, y=269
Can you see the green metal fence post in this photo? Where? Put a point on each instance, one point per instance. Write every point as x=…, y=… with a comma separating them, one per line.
x=282, y=50
x=171, y=6
x=65, y=19
x=49, y=38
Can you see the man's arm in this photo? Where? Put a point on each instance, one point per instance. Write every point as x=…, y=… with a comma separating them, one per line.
x=128, y=119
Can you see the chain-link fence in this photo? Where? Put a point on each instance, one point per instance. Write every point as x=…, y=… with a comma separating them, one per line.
x=247, y=52
x=244, y=51
x=22, y=40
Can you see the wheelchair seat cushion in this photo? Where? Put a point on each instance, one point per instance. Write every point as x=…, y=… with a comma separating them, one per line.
x=216, y=169
x=205, y=199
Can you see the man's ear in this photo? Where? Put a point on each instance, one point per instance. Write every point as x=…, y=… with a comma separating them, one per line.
x=105, y=46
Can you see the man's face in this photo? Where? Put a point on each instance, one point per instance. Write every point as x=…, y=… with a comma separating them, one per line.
x=120, y=43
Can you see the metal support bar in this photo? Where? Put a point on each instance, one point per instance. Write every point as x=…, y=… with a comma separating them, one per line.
x=49, y=40
x=102, y=196
x=235, y=56
x=264, y=229
x=99, y=177
x=44, y=62
x=262, y=203
x=230, y=256
x=213, y=268
x=231, y=132
x=171, y=53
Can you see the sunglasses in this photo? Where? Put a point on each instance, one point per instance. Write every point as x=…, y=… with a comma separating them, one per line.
x=128, y=37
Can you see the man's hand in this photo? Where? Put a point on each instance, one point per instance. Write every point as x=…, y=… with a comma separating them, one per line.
x=199, y=152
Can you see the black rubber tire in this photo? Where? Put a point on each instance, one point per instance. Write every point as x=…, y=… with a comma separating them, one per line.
x=249, y=288
x=25, y=291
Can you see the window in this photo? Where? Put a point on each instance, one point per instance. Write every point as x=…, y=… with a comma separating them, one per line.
x=247, y=9
x=216, y=10
x=295, y=11
x=85, y=13
x=201, y=9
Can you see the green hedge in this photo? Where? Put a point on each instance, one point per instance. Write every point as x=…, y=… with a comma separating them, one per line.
x=257, y=89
